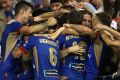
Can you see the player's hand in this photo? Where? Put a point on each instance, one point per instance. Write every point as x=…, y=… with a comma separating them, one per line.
x=75, y=48
x=52, y=21
x=80, y=6
x=80, y=51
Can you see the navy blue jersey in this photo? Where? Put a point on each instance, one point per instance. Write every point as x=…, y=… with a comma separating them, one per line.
x=9, y=38
x=27, y=74
x=73, y=64
x=60, y=40
x=46, y=57
x=96, y=59
x=90, y=64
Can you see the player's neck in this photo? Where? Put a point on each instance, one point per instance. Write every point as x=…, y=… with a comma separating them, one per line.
x=19, y=19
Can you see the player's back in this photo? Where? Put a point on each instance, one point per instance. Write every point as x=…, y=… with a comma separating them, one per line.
x=46, y=58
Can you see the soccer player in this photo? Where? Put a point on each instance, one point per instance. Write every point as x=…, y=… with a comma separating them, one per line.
x=12, y=34
x=74, y=52
x=87, y=19
x=99, y=51
x=23, y=12
x=46, y=55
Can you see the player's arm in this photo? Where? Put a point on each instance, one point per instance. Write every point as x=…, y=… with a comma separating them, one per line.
x=38, y=27
x=18, y=52
x=83, y=30
x=70, y=31
x=24, y=48
x=47, y=15
x=99, y=27
x=108, y=40
x=57, y=33
x=51, y=14
x=73, y=49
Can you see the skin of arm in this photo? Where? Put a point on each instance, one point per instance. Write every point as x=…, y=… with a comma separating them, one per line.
x=57, y=33
x=99, y=27
x=70, y=31
x=47, y=15
x=37, y=28
x=83, y=30
x=109, y=41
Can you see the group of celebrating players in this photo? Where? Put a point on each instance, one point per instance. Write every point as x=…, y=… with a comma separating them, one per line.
x=65, y=44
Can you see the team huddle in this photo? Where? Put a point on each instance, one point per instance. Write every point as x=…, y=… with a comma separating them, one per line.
x=60, y=45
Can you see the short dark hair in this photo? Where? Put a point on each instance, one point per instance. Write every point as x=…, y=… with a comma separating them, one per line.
x=86, y=12
x=55, y=1
x=74, y=17
x=22, y=5
x=68, y=7
x=105, y=18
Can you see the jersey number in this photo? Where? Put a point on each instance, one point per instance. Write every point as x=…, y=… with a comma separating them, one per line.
x=53, y=57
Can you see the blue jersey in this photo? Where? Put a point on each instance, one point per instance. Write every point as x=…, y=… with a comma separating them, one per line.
x=73, y=64
x=90, y=64
x=9, y=38
x=60, y=40
x=11, y=66
x=27, y=74
x=97, y=51
x=46, y=57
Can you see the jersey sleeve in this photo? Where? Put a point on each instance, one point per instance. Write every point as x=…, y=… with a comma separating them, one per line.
x=28, y=45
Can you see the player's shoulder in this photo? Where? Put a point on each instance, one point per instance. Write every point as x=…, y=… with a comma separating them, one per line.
x=38, y=35
x=14, y=24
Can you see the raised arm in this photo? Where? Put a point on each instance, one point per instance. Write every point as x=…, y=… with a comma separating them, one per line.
x=71, y=31
x=57, y=33
x=115, y=33
x=109, y=41
x=47, y=15
x=37, y=28
x=83, y=30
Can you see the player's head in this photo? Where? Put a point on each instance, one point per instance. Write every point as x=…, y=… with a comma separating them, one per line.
x=71, y=2
x=87, y=19
x=23, y=10
x=67, y=8
x=101, y=18
x=55, y=5
x=7, y=4
x=74, y=17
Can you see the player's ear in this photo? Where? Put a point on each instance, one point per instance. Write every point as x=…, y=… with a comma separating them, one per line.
x=22, y=11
